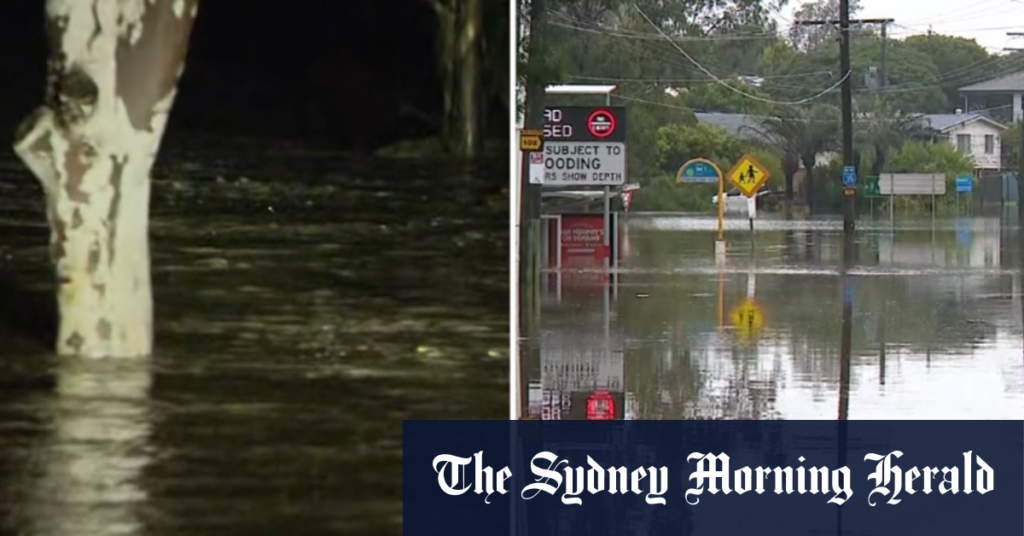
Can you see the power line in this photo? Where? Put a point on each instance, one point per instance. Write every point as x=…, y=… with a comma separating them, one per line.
x=750, y=96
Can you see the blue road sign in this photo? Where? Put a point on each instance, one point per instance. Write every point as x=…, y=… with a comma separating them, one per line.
x=964, y=185
x=698, y=170
x=849, y=176
x=849, y=288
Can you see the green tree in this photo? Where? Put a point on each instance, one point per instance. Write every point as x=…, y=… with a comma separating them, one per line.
x=882, y=128
x=715, y=97
x=806, y=38
x=678, y=143
x=941, y=157
x=958, y=61
x=800, y=133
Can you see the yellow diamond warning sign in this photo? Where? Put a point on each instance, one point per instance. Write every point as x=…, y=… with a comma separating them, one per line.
x=748, y=318
x=748, y=175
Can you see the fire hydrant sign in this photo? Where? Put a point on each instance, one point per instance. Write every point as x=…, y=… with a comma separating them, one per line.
x=570, y=163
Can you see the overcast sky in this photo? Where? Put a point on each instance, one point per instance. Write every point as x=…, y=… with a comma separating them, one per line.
x=987, y=21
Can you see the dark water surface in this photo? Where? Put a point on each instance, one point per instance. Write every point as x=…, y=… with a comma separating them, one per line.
x=935, y=329
x=306, y=304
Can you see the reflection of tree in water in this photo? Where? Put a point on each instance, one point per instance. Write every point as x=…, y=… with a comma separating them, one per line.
x=687, y=381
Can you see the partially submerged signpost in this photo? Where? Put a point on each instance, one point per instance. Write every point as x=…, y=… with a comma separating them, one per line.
x=702, y=170
x=586, y=146
x=893, y=184
x=748, y=174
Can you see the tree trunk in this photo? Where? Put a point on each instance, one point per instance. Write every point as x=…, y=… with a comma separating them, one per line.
x=468, y=88
x=112, y=72
x=809, y=161
x=460, y=62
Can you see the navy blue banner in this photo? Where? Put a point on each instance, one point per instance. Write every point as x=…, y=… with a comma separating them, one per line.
x=721, y=478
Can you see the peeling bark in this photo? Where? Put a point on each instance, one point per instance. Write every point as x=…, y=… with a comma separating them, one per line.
x=112, y=73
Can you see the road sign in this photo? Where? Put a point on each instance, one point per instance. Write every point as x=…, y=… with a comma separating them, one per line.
x=536, y=168
x=584, y=123
x=627, y=197
x=748, y=175
x=964, y=185
x=699, y=170
x=601, y=123
x=584, y=163
x=871, y=188
x=748, y=318
x=531, y=140
x=849, y=191
x=849, y=176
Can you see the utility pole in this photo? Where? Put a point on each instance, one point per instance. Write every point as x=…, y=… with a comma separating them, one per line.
x=530, y=198
x=846, y=98
x=1020, y=148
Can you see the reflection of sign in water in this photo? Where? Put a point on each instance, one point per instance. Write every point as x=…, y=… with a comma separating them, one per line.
x=748, y=175
x=748, y=318
x=964, y=231
x=600, y=406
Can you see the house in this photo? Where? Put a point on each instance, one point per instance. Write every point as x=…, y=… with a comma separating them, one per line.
x=1011, y=84
x=972, y=133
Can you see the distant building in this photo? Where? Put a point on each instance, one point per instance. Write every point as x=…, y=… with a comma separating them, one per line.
x=1011, y=84
x=971, y=133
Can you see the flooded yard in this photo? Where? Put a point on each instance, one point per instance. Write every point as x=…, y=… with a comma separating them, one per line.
x=306, y=303
x=935, y=330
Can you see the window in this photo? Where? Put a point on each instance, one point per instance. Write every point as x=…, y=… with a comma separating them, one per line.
x=963, y=143
x=990, y=144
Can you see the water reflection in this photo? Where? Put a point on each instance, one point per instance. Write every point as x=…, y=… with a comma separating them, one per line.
x=305, y=306
x=83, y=476
x=919, y=321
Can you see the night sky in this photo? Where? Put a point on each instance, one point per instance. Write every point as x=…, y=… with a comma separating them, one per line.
x=330, y=70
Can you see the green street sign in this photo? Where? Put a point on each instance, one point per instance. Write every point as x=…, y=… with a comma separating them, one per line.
x=871, y=188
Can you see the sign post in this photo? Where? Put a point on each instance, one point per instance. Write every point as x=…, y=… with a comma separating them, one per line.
x=749, y=175
x=964, y=185
x=586, y=146
x=702, y=170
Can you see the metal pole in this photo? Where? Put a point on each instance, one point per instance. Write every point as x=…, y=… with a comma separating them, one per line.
x=847, y=104
x=885, y=72
x=607, y=211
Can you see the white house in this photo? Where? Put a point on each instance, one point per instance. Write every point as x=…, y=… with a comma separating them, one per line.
x=973, y=134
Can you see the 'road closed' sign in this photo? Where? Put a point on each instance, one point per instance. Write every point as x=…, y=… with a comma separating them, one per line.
x=584, y=163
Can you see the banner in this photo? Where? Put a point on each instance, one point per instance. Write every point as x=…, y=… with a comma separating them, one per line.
x=722, y=478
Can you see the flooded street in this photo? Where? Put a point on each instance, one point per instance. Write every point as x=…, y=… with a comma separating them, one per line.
x=935, y=330
x=306, y=303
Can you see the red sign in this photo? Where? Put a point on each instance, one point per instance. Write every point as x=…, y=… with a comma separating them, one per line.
x=601, y=406
x=601, y=123
x=583, y=240
x=626, y=196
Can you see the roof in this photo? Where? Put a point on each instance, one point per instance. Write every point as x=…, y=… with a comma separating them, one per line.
x=740, y=125
x=944, y=122
x=1011, y=83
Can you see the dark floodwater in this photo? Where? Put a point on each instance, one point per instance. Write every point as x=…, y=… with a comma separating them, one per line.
x=936, y=328
x=302, y=313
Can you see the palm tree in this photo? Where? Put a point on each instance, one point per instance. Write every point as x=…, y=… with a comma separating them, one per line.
x=883, y=128
x=800, y=133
